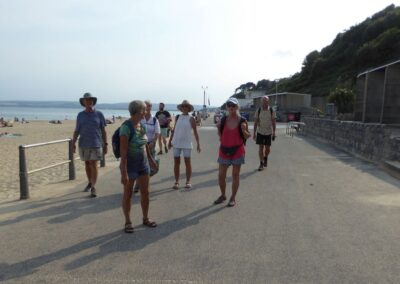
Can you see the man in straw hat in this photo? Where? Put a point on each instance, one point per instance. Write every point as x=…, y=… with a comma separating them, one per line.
x=90, y=128
x=181, y=140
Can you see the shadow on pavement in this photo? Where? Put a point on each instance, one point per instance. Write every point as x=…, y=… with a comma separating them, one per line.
x=113, y=242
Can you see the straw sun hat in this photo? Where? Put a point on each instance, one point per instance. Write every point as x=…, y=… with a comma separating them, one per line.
x=185, y=103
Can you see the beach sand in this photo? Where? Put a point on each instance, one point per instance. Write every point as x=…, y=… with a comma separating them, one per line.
x=38, y=157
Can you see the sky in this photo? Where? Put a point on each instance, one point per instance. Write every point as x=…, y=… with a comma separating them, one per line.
x=161, y=50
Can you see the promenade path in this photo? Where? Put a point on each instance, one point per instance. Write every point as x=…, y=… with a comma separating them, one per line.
x=315, y=215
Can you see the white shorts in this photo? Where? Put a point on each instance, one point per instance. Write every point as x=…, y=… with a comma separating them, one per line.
x=187, y=153
x=91, y=154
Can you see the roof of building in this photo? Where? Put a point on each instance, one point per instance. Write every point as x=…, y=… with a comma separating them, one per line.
x=377, y=68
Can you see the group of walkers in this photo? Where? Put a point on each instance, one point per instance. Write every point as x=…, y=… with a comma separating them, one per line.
x=138, y=138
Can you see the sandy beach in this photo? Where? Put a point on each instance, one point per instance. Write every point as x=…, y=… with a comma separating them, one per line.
x=38, y=157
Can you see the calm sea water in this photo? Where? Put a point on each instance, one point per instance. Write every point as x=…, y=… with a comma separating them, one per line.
x=34, y=113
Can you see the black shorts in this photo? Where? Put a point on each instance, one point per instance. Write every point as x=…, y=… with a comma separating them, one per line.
x=263, y=139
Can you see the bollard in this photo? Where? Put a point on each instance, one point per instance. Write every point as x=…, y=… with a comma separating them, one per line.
x=23, y=175
x=71, y=161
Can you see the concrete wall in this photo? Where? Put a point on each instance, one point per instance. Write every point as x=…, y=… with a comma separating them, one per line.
x=373, y=141
x=391, y=110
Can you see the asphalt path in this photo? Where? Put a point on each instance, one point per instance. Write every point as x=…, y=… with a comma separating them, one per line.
x=315, y=215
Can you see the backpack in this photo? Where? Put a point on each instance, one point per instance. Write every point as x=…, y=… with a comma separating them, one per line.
x=115, y=140
x=222, y=125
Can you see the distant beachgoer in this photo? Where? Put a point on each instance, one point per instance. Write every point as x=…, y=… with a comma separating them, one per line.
x=233, y=130
x=90, y=128
x=152, y=132
x=264, y=131
x=181, y=140
x=164, y=118
x=135, y=162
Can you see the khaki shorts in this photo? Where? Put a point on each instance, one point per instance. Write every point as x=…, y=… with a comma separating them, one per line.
x=91, y=154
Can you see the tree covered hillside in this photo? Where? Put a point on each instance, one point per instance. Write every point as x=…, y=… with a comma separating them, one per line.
x=374, y=42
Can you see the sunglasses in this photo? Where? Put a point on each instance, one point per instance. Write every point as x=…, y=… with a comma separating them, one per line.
x=230, y=105
x=184, y=105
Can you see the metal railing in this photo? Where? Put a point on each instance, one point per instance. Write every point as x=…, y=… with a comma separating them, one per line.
x=23, y=172
x=294, y=126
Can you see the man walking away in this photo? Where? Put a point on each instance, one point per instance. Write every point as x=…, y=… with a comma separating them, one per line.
x=264, y=130
x=90, y=128
x=164, y=118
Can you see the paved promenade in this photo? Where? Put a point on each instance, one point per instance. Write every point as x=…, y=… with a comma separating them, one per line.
x=315, y=215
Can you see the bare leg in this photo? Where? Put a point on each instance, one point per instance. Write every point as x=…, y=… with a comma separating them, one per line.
x=177, y=164
x=188, y=165
x=222, y=178
x=235, y=181
x=261, y=152
x=144, y=194
x=126, y=201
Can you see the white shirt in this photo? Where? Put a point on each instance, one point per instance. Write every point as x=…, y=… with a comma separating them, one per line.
x=183, y=133
x=151, y=128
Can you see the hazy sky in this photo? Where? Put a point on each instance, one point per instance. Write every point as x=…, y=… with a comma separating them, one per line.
x=163, y=50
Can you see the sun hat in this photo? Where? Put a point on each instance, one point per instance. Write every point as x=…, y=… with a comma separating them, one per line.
x=232, y=100
x=185, y=103
x=88, y=96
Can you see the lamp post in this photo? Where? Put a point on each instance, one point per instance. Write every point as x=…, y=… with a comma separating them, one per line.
x=204, y=98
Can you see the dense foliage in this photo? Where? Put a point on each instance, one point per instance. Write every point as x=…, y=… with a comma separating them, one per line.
x=373, y=43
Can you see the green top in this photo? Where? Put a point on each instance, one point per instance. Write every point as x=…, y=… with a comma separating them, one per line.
x=138, y=141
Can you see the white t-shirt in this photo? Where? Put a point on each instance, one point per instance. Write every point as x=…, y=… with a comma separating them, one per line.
x=183, y=133
x=151, y=128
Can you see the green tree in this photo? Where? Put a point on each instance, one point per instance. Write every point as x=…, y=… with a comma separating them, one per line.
x=343, y=99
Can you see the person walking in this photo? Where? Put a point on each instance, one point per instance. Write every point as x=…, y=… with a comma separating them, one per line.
x=264, y=131
x=233, y=132
x=164, y=118
x=152, y=132
x=135, y=163
x=90, y=128
x=181, y=140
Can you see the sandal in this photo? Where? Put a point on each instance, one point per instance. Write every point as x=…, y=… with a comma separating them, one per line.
x=188, y=185
x=149, y=223
x=176, y=185
x=128, y=228
x=220, y=200
x=231, y=203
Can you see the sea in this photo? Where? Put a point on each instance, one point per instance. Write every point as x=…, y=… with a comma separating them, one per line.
x=58, y=113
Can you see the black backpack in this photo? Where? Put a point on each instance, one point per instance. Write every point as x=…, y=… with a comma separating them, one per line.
x=222, y=125
x=115, y=140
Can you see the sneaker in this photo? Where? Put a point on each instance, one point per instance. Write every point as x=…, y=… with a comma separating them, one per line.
x=88, y=187
x=93, y=192
x=265, y=162
x=261, y=167
x=166, y=149
x=159, y=153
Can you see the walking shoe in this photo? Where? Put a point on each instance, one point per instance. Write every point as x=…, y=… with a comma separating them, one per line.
x=166, y=149
x=88, y=187
x=159, y=153
x=93, y=192
x=261, y=167
x=265, y=162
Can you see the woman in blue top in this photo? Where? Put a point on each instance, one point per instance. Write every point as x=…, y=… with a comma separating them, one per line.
x=134, y=165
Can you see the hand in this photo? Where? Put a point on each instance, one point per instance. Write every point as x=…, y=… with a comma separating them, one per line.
x=124, y=178
x=73, y=148
x=169, y=145
x=153, y=164
x=105, y=149
x=273, y=136
x=198, y=149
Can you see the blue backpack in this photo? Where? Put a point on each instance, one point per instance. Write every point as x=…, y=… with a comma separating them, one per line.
x=115, y=140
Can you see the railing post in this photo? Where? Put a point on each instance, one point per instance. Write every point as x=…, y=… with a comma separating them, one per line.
x=23, y=174
x=71, y=161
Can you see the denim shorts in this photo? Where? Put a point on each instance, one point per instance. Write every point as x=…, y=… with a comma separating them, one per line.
x=228, y=162
x=137, y=166
x=187, y=153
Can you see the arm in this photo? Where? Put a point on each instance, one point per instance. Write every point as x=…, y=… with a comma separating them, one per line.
x=74, y=139
x=105, y=144
x=152, y=162
x=172, y=136
x=124, y=156
x=156, y=134
x=196, y=135
x=255, y=128
x=273, y=119
x=245, y=130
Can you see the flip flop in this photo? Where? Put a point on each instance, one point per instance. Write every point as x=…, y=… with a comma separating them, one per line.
x=231, y=203
x=188, y=185
x=128, y=228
